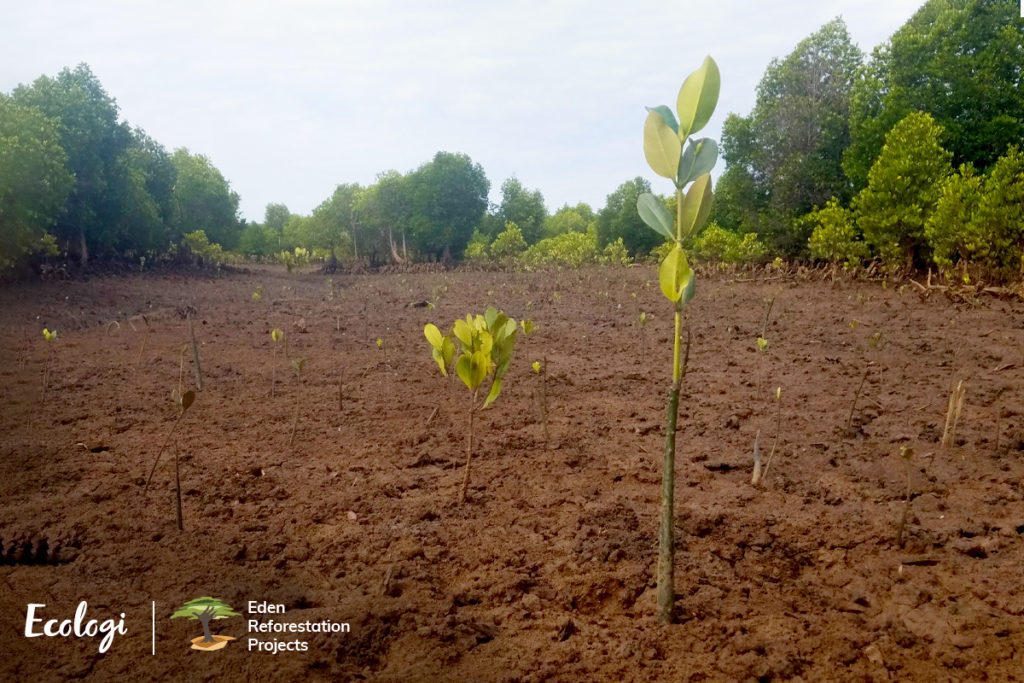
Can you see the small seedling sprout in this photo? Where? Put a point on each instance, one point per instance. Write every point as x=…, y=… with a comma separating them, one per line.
x=50, y=337
x=276, y=334
x=906, y=454
x=643, y=336
x=184, y=402
x=953, y=410
x=298, y=364
x=760, y=475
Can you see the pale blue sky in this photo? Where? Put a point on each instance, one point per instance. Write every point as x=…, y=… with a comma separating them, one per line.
x=288, y=99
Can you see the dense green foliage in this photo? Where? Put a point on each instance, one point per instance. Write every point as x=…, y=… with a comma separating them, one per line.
x=958, y=60
x=835, y=237
x=619, y=219
x=785, y=158
x=34, y=182
x=101, y=189
x=903, y=188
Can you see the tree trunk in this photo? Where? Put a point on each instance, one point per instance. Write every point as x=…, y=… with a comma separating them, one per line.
x=204, y=619
x=85, y=247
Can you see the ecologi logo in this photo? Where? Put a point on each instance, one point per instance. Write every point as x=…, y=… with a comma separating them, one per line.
x=206, y=610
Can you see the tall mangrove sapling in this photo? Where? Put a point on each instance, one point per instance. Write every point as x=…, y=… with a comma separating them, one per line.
x=686, y=162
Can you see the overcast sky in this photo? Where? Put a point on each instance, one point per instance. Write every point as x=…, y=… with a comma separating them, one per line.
x=289, y=99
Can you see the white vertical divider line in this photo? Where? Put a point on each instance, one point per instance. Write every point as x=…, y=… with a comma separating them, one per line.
x=154, y=629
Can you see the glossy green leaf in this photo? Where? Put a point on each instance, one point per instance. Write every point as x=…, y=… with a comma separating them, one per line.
x=690, y=289
x=667, y=116
x=484, y=343
x=674, y=274
x=491, y=317
x=439, y=358
x=433, y=335
x=698, y=158
x=696, y=205
x=463, y=331
x=448, y=351
x=464, y=369
x=481, y=364
x=697, y=98
x=653, y=212
x=661, y=146
x=493, y=393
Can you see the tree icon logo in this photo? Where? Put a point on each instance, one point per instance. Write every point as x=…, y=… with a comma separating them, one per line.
x=205, y=610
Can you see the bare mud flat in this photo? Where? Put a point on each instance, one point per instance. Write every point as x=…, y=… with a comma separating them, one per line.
x=546, y=573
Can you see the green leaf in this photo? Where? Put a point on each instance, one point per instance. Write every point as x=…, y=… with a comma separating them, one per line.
x=439, y=357
x=691, y=288
x=433, y=335
x=667, y=116
x=481, y=364
x=698, y=98
x=463, y=331
x=661, y=146
x=448, y=352
x=674, y=274
x=491, y=317
x=653, y=212
x=696, y=206
x=493, y=393
x=464, y=369
x=698, y=158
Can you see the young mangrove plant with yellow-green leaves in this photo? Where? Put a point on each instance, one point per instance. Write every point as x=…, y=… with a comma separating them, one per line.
x=485, y=345
x=672, y=153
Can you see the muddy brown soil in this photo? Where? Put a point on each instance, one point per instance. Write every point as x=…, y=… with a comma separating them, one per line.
x=546, y=572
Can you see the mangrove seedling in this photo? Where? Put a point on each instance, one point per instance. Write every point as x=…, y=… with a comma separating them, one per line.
x=195, y=351
x=257, y=293
x=541, y=370
x=145, y=338
x=276, y=334
x=643, y=337
x=184, y=402
x=50, y=337
x=380, y=347
x=759, y=475
x=672, y=154
x=953, y=410
x=485, y=350
x=906, y=454
x=298, y=364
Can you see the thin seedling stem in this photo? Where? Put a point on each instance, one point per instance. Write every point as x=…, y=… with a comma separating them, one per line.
x=856, y=397
x=167, y=440
x=775, y=441
x=142, y=349
x=195, y=352
x=469, y=449
x=177, y=491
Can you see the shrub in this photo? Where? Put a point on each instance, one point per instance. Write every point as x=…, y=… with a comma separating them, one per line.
x=476, y=250
x=201, y=248
x=508, y=244
x=718, y=244
x=835, y=238
x=572, y=249
x=952, y=230
x=903, y=188
x=1001, y=217
x=615, y=253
